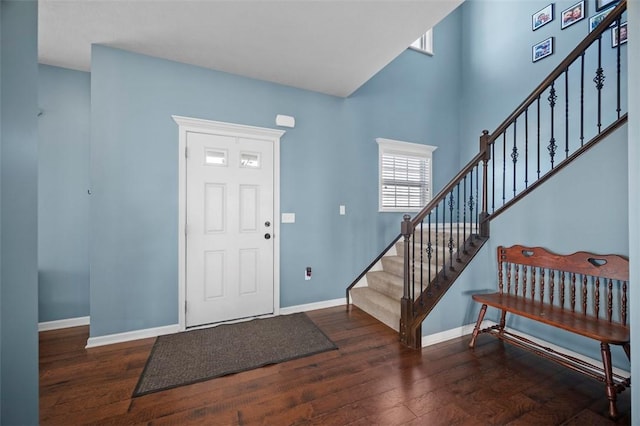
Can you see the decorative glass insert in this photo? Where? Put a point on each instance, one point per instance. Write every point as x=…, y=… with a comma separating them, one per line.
x=215, y=157
x=250, y=160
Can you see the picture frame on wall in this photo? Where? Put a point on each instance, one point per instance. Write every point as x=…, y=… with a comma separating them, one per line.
x=622, y=30
x=573, y=14
x=542, y=49
x=595, y=20
x=542, y=17
x=603, y=4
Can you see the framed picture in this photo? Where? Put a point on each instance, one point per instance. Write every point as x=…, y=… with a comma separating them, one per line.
x=603, y=4
x=542, y=17
x=595, y=20
x=619, y=33
x=575, y=13
x=542, y=49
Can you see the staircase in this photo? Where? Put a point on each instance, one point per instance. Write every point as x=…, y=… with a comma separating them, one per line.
x=380, y=290
x=537, y=140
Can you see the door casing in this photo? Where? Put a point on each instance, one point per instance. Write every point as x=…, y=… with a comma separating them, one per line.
x=186, y=125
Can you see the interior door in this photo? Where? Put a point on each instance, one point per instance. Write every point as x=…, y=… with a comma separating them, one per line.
x=229, y=238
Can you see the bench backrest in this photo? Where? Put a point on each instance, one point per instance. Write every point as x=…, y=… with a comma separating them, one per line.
x=588, y=283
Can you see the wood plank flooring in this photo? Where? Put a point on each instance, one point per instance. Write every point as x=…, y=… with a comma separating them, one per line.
x=371, y=380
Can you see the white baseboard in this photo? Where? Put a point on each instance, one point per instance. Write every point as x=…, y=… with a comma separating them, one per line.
x=169, y=329
x=63, y=323
x=454, y=333
x=313, y=306
x=131, y=335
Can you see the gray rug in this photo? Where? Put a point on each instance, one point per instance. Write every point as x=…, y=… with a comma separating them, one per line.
x=194, y=356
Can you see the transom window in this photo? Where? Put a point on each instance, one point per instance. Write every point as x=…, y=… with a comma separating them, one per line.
x=405, y=175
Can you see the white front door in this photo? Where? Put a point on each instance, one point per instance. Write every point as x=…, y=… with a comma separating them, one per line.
x=229, y=227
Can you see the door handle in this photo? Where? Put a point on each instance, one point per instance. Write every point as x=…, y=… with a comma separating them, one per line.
x=267, y=236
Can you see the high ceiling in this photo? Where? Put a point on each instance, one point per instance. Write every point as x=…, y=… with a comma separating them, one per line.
x=328, y=46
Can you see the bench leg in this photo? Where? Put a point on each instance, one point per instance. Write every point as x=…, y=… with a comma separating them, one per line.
x=476, y=329
x=503, y=321
x=608, y=372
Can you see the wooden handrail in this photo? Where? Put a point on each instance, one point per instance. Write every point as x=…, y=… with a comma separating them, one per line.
x=371, y=265
x=575, y=54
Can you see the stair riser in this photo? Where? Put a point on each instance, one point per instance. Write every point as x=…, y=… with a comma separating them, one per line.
x=379, y=306
x=387, y=284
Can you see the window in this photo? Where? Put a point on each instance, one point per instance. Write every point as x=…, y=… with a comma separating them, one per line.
x=425, y=43
x=405, y=171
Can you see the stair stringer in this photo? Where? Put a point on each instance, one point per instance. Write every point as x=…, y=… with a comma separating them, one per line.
x=411, y=328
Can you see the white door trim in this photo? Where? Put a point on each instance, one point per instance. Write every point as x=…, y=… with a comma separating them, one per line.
x=186, y=125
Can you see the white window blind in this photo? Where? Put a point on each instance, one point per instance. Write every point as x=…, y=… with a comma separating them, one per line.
x=405, y=181
x=405, y=171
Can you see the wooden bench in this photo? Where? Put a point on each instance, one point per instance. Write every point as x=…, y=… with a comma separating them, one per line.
x=583, y=293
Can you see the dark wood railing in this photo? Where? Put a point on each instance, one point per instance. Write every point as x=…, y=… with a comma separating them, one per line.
x=563, y=115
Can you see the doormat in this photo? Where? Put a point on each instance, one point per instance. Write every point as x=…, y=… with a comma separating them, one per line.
x=195, y=356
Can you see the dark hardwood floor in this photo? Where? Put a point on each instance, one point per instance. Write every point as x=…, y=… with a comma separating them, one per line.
x=371, y=379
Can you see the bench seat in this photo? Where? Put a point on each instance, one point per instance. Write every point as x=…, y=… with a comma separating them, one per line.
x=575, y=322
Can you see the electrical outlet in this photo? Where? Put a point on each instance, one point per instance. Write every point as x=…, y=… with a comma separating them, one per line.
x=307, y=273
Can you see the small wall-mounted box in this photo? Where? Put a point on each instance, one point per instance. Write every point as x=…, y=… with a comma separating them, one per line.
x=285, y=120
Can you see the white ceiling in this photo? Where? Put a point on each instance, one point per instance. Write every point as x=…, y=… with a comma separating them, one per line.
x=328, y=46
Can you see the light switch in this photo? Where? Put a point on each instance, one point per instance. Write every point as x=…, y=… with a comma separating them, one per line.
x=288, y=218
x=343, y=210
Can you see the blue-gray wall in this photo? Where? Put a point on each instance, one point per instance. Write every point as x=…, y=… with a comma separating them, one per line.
x=328, y=159
x=63, y=203
x=18, y=193
x=634, y=191
x=498, y=73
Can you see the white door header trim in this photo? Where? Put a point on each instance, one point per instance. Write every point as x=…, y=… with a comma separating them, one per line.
x=222, y=128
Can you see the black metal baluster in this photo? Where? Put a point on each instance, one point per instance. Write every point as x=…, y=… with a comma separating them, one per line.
x=478, y=201
x=421, y=261
x=552, y=103
x=599, y=81
x=493, y=179
x=464, y=215
x=471, y=205
x=451, y=204
x=444, y=245
x=458, y=223
x=429, y=254
x=582, y=99
x=514, y=156
x=436, y=250
x=413, y=257
x=618, y=110
x=538, y=171
x=526, y=148
x=566, y=113
x=504, y=166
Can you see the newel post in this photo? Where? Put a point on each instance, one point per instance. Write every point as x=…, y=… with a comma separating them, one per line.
x=407, y=335
x=485, y=148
